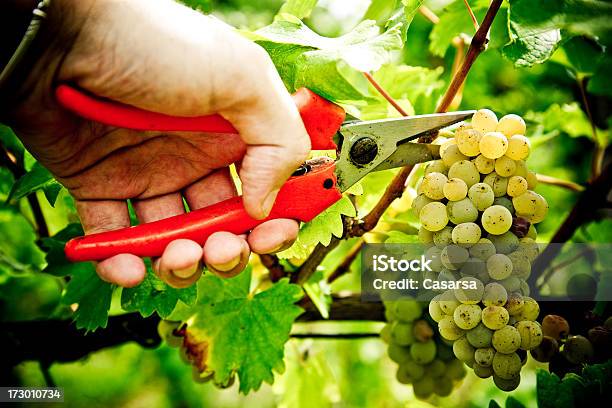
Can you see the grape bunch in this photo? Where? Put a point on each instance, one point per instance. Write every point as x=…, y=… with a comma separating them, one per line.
x=566, y=352
x=424, y=359
x=477, y=210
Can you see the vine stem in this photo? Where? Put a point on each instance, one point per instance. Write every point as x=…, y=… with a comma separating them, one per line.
x=554, y=181
x=428, y=14
x=598, y=150
x=472, y=16
x=345, y=265
x=385, y=94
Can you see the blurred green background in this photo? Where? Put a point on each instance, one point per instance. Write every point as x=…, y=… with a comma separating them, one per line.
x=343, y=373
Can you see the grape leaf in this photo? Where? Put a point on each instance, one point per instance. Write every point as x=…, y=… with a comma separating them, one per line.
x=298, y=8
x=600, y=83
x=18, y=253
x=92, y=295
x=319, y=292
x=203, y=5
x=380, y=10
x=57, y=264
x=241, y=332
x=154, y=295
x=36, y=179
x=11, y=142
x=327, y=66
x=583, y=54
x=551, y=392
x=512, y=402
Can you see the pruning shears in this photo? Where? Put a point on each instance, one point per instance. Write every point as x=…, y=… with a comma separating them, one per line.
x=363, y=147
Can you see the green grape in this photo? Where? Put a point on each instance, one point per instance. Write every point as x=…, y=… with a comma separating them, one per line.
x=466, y=316
x=411, y=370
x=480, y=336
x=517, y=185
x=433, y=216
x=455, y=189
x=578, y=350
x=504, y=243
x=484, y=356
x=469, y=296
x=495, y=317
x=504, y=202
x=468, y=141
x=529, y=247
x=445, y=351
x=505, y=166
x=423, y=353
x=555, y=326
x=494, y=295
x=422, y=331
x=401, y=333
x=433, y=185
x=399, y=354
x=435, y=311
x=385, y=333
x=530, y=311
x=448, y=329
x=484, y=165
x=433, y=254
x=531, y=206
x=531, y=334
x=466, y=234
x=495, y=219
x=483, y=371
x=511, y=125
x=452, y=155
x=443, y=237
x=463, y=350
x=454, y=256
x=483, y=249
x=425, y=236
x=521, y=169
x=408, y=310
x=506, y=366
x=511, y=284
x=481, y=195
x=507, y=340
x=484, y=120
x=476, y=268
x=547, y=349
x=507, y=384
x=455, y=369
x=419, y=202
x=402, y=376
x=167, y=331
x=446, y=275
x=436, y=368
x=498, y=184
x=515, y=304
x=525, y=288
x=521, y=267
x=444, y=386
x=518, y=147
x=499, y=266
x=424, y=387
x=493, y=145
x=462, y=211
x=448, y=302
x=532, y=180
x=466, y=171
x=436, y=166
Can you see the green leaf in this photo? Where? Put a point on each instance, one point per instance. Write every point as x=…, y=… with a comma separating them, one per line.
x=397, y=237
x=583, y=54
x=11, y=142
x=36, y=179
x=154, y=295
x=245, y=332
x=380, y=10
x=550, y=391
x=319, y=293
x=51, y=192
x=494, y=404
x=600, y=83
x=328, y=66
x=568, y=118
x=57, y=264
x=18, y=252
x=298, y=8
x=92, y=295
x=512, y=402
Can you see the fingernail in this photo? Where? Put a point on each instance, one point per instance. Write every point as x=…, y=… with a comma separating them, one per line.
x=281, y=247
x=186, y=272
x=268, y=202
x=228, y=266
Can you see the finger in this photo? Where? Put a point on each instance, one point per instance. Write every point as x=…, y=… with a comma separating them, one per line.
x=125, y=270
x=180, y=263
x=215, y=187
x=273, y=236
x=277, y=143
x=226, y=254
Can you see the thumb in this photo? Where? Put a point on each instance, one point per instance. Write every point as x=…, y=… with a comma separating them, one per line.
x=277, y=142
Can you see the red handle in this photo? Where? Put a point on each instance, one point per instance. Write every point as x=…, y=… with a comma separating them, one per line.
x=321, y=118
x=301, y=198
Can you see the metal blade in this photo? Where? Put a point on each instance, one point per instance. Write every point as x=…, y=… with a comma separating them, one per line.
x=408, y=154
x=366, y=145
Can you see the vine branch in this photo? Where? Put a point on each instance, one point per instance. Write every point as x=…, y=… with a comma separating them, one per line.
x=598, y=150
x=385, y=94
x=345, y=265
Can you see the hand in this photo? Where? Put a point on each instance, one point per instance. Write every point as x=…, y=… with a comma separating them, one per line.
x=163, y=57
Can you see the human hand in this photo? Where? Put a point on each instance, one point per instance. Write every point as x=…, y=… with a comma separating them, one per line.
x=163, y=57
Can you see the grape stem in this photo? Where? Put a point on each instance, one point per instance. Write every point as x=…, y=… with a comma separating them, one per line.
x=599, y=150
x=345, y=265
x=428, y=14
x=553, y=181
x=472, y=16
x=385, y=94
